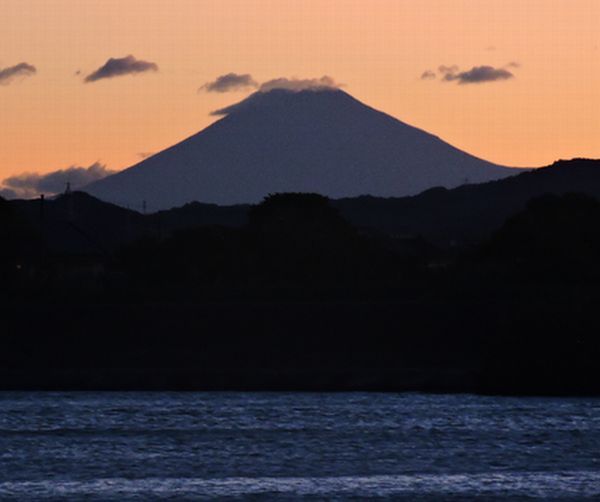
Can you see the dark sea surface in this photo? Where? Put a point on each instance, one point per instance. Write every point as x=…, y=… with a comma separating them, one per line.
x=264, y=446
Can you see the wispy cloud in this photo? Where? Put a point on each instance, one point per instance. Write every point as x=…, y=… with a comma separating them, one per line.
x=7, y=75
x=428, y=75
x=443, y=69
x=116, y=67
x=230, y=82
x=29, y=185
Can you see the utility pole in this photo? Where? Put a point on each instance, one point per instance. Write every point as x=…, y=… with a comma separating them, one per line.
x=69, y=195
x=42, y=230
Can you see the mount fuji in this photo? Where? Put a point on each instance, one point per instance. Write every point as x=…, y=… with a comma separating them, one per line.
x=317, y=140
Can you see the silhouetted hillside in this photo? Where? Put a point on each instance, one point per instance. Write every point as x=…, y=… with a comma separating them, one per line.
x=197, y=214
x=290, y=241
x=544, y=265
x=18, y=238
x=78, y=224
x=470, y=213
x=554, y=236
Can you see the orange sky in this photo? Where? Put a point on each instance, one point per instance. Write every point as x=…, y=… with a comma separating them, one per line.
x=377, y=48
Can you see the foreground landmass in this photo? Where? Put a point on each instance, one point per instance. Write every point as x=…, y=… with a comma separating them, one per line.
x=303, y=293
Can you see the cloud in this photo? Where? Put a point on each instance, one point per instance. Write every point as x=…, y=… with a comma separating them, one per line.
x=297, y=84
x=230, y=82
x=447, y=69
x=19, y=70
x=479, y=74
x=476, y=75
x=29, y=185
x=116, y=67
x=7, y=193
x=324, y=83
x=428, y=75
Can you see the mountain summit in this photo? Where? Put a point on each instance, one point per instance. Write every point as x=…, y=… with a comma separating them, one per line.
x=322, y=141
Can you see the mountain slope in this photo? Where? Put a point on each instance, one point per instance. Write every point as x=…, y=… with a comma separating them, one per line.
x=310, y=141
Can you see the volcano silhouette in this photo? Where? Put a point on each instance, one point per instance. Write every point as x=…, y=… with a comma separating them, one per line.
x=322, y=141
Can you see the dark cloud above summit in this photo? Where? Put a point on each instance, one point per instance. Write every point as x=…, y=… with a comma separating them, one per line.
x=7, y=75
x=230, y=82
x=116, y=67
x=28, y=185
x=325, y=83
x=300, y=84
x=234, y=82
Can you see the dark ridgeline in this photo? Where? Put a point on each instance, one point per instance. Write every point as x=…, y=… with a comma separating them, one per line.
x=486, y=288
x=468, y=214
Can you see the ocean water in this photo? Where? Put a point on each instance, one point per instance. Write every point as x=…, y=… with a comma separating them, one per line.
x=272, y=446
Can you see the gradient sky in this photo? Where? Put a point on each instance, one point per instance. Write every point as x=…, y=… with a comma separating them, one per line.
x=377, y=48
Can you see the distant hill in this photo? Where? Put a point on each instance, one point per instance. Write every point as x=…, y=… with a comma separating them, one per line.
x=463, y=215
x=322, y=141
x=79, y=224
x=469, y=213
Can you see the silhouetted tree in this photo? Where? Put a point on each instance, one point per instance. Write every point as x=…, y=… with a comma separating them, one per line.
x=554, y=236
x=301, y=237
